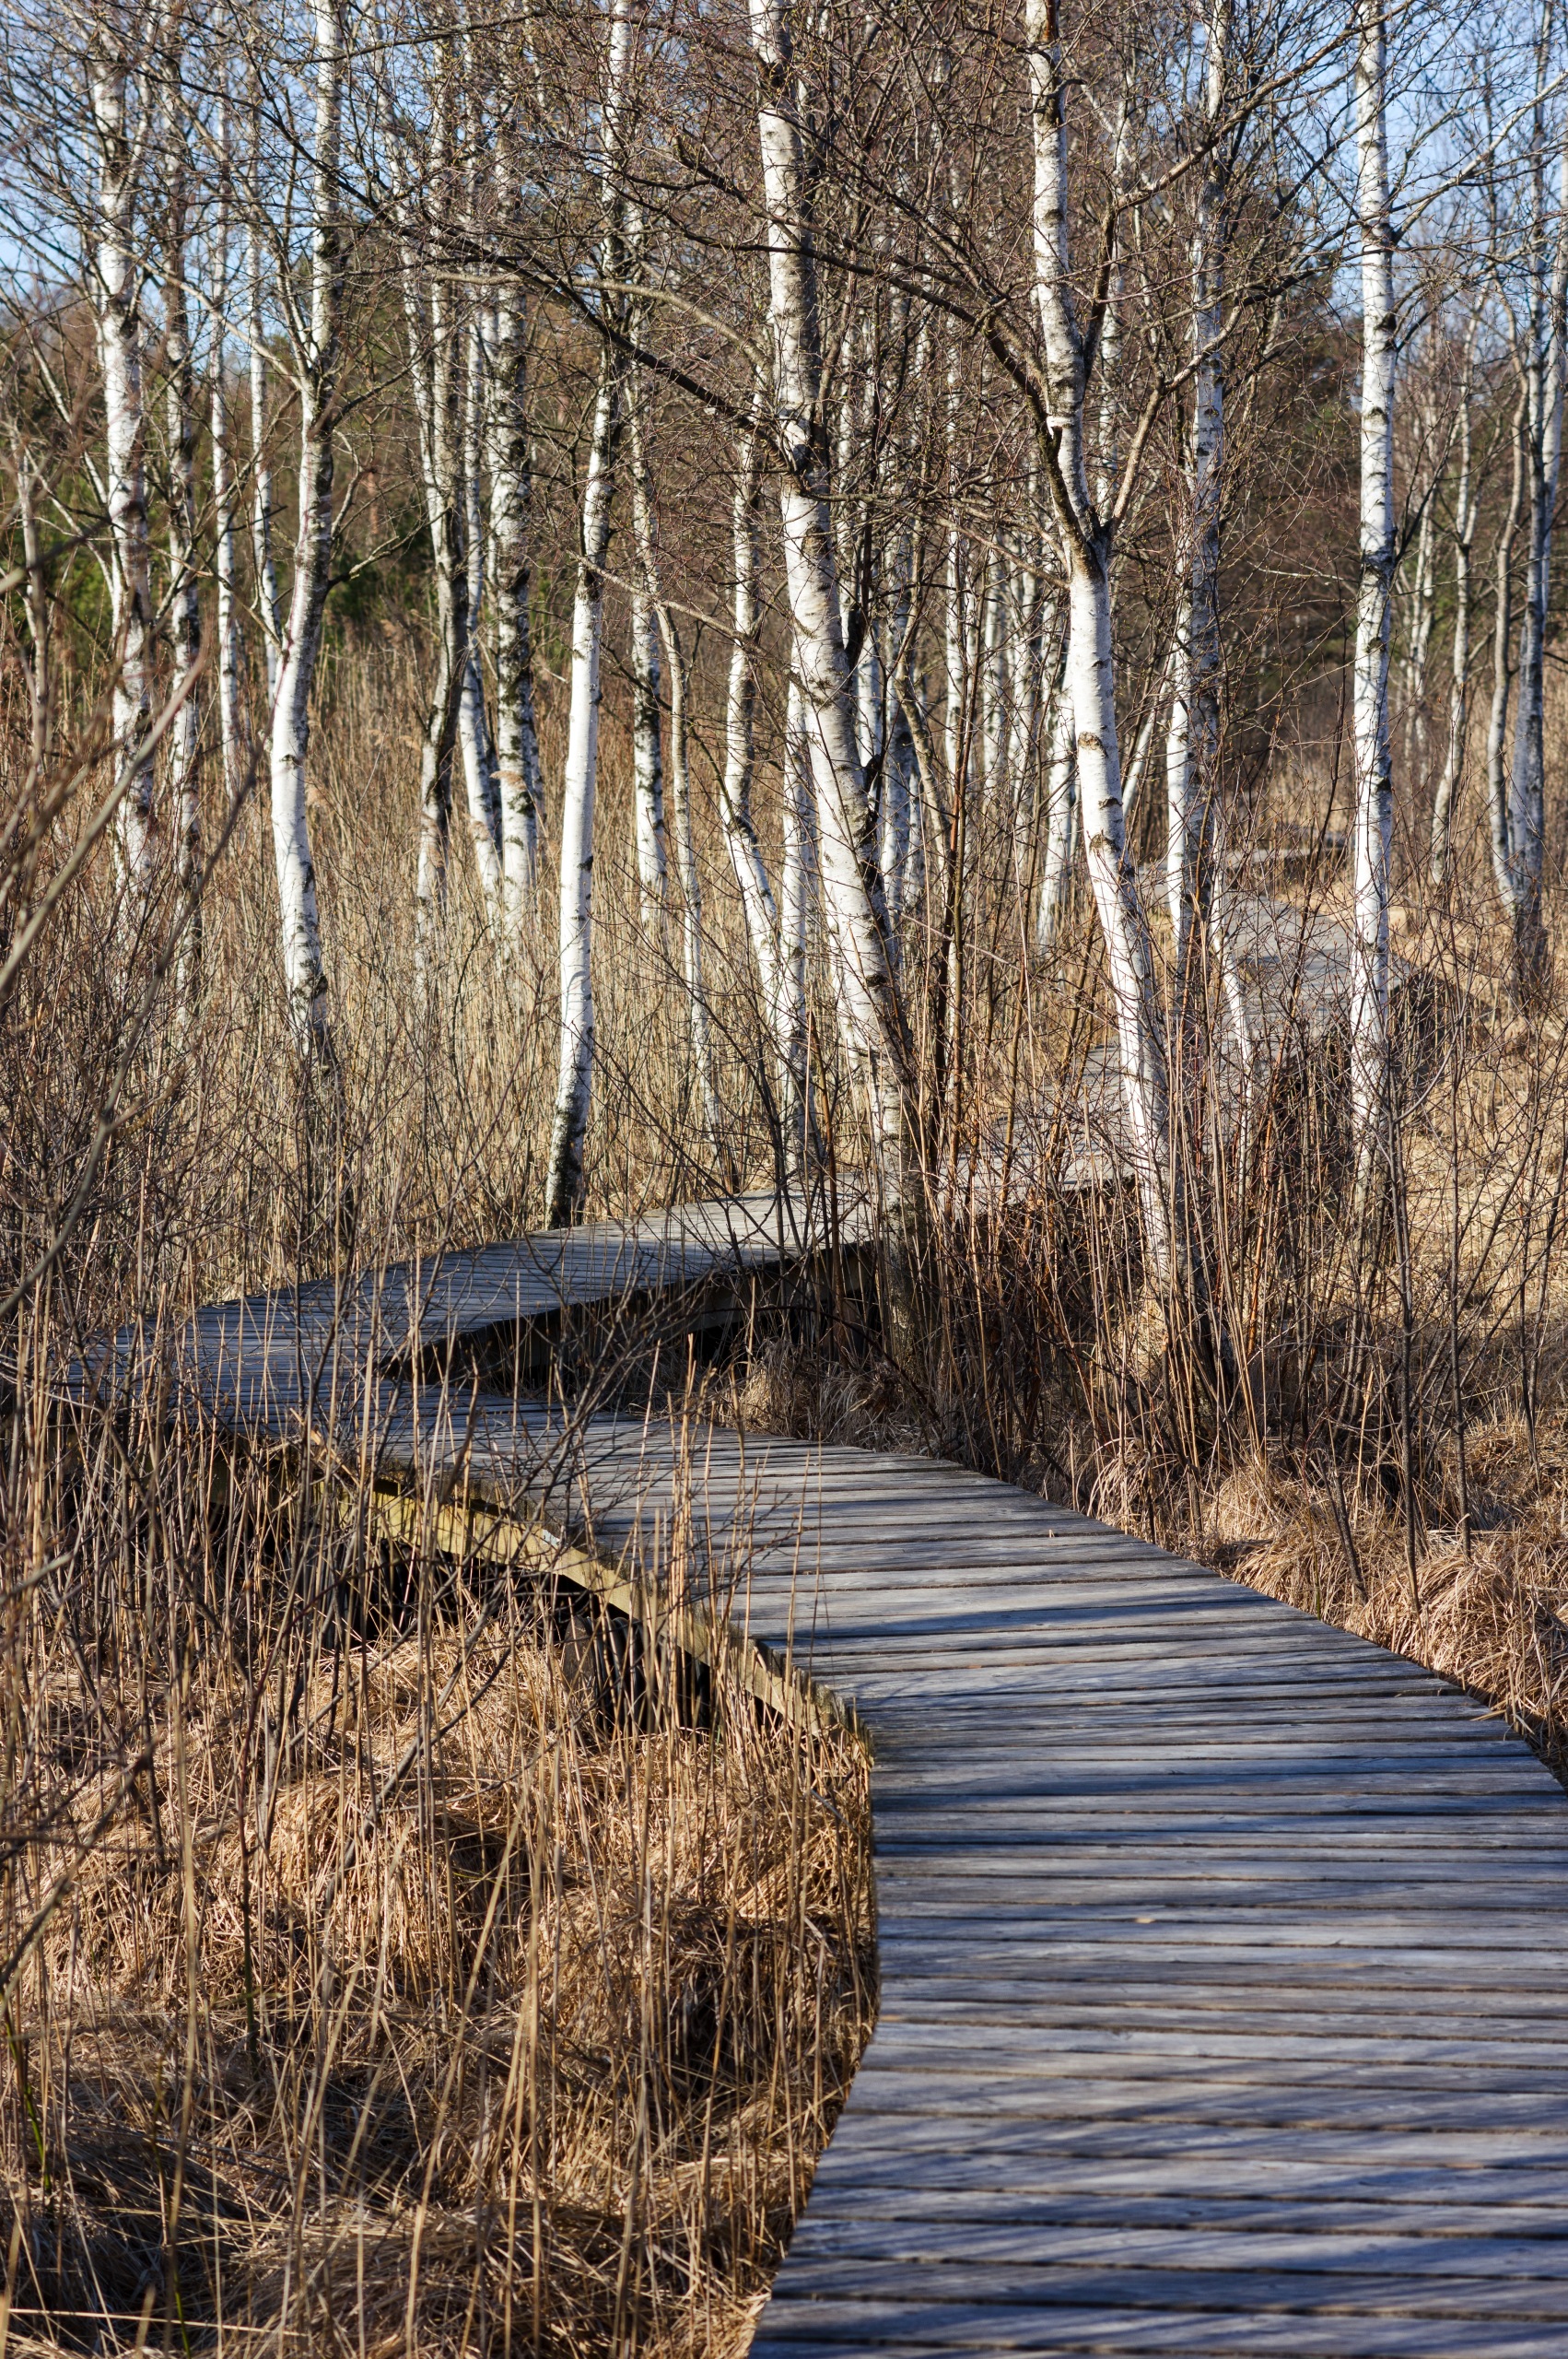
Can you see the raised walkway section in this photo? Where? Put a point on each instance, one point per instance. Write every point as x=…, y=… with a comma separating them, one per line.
x=1222, y=1954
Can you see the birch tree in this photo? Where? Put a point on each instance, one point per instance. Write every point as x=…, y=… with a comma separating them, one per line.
x=473, y=718
x=797, y=875
x=315, y=330
x=871, y=1013
x=1196, y=885
x=184, y=595
x=1498, y=830
x=231, y=733
x=1089, y=674
x=564, y=1178
x=1060, y=808
x=269, y=607
x=511, y=560
x=1465, y=511
x=648, y=753
x=435, y=377
x=1374, y=814
x=692, y=949
x=122, y=116
x=1546, y=328
x=740, y=725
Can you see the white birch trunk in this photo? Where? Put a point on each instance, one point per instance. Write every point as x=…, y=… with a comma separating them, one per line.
x=184, y=595
x=996, y=785
x=740, y=729
x=511, y=574
x=872, y=1013
x=1419, y=647
x=317, y=362
x=954, y=666
x=116, y=308
x=564, y=1179
x=1107, y=468
x=1501, y=676
x=1544, y=382
x=268, y=605
x=1089, y=673
x=1182, y=807
x=930, y=819
x=1025, y=656
x=564, y=1175
x=1374, y=783
x=232, y=740
x=898, y=849
x=431, y=378
x=797, y=873
x=473, y=726
x=1061, y=797
x=698, y=1013
x=897, y=844
x=691, y=899
x=1192, y=743
x=1465, y=512
x=648, y=760
x=1206, y=891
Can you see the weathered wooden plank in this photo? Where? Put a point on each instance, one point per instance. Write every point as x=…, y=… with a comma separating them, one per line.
x=1204, y=2101
x=1014, y=2034
x=995, y=2284
x=1014, y=2253
x=908, y=2330
x=1434, y=2209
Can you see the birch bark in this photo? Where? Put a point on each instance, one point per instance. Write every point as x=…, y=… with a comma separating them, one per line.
x=1089, y=664
x=900, y=849
x=564, y=1181
x=1025, y=657
x=1543, y=416
x=1464, y=512
x=739, y=728
x=184, y=597
x=1374, y=783
x=564, y=1176
x=872, y=1013
x=994, y=784
x=474, y=722
x=511, y=569
x=699, y=1014
x=1197, y=882
x=1501, y=660
x=1419, y=647
x=648, y=760
x=117, y=316
x=1061, y=799
x=796, y=879
x=317, y=360
x=268, y=605
x=231, y=725
x=432, y=374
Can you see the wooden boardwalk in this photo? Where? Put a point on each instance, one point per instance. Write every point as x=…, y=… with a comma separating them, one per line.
x=1221, y=1953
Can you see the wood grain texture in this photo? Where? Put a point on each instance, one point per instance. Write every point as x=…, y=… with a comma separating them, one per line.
x=1221, y=1951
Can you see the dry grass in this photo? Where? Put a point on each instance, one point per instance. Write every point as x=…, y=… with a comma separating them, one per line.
x=533, y=2051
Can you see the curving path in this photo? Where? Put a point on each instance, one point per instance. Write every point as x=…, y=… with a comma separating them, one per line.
x=1221, y=1953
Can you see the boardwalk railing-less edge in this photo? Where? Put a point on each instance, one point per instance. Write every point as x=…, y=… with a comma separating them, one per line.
x=1221, y=1953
